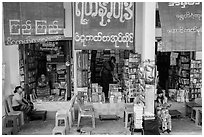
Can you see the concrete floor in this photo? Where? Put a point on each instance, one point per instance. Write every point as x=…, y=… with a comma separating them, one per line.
x=181, y=126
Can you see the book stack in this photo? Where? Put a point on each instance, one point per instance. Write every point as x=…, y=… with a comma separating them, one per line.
x=195, y=79
x=138, y=115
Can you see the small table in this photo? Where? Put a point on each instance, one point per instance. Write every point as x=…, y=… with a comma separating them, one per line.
x=175, y=113
x=196, y=116
x=39, y=114
x=189, y=107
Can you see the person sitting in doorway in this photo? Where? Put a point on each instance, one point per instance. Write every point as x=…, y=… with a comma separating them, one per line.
x=43, y=88
x=162, y=111
x=21, y=104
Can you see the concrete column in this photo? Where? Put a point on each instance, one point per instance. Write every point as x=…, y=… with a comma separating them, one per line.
x=10, y=60
x=148, y=47
x=68, y=19
x=138, y=27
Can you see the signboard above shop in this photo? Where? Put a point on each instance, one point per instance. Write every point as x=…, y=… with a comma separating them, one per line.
x=103, y=25
x=32, y=22
x=181, y=24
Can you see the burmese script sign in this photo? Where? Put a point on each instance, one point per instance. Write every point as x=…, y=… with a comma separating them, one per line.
x=181, y=24
x=32, y=22
x=103, y=25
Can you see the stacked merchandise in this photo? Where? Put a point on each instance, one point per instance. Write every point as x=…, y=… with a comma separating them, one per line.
x=97, y=94
x=138, y=116
x=173, y=71
x=133, y=77
x=28, y=67
x=32, y=67
x=21, y=66
x=114, y=95
x=83, y=93
x=83, y=69
x=98, y=63
x=184, y=77
x=195, y=79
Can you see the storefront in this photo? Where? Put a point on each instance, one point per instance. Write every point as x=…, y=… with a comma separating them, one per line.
x=180, y=49
x=98, y=37
x=38, y=35
x=113, y=33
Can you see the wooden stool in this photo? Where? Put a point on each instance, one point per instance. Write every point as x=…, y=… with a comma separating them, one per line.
x=14, y=122
x=7, y=131
x=59, y=131
x=195, y=114
x=128, y=110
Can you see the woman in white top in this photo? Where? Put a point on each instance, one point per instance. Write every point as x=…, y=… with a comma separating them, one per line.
x=19, y=103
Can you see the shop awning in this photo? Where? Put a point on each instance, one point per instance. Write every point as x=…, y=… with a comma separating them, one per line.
x=181, y=24
x=32, y=22
x=101, y=25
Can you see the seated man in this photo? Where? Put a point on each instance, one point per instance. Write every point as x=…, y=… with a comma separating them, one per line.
x=43, y=88
x=19, y=103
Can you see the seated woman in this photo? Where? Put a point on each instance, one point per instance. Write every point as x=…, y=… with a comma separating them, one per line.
x=162, y=111
x=43, y=88
x=19, y=103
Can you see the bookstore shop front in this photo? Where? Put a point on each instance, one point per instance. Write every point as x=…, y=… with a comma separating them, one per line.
x=96, y=41
x=179, y=56
x=45, y=70
x=44, y=53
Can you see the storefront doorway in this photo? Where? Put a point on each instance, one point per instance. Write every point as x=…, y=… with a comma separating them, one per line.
x=48, y=63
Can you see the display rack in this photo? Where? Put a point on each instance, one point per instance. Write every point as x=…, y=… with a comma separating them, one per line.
x=28, y=67
x=21, y=65
x=84, y=73
x=133, y=78
x=184, y=72
x=195, y=79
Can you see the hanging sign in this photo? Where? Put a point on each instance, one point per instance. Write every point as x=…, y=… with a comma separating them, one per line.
x=181, y=24
x=103, y=25
x=32, y=22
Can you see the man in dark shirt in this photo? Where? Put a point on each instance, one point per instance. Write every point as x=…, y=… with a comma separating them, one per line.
x=107, y=75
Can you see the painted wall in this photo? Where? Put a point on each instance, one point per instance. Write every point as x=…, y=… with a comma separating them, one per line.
x=10, y=59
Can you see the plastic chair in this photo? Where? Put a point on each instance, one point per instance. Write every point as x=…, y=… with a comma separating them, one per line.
x=85, y=111
x=9, y=110
x=7, y=131
x=71, y=111
x=59, y=131
x=12, y=121
x=61, y=119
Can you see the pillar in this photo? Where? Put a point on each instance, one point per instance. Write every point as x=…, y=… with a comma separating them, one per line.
x=148, y=47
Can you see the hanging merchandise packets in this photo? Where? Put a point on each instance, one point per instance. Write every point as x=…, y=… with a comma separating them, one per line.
x=173, y=58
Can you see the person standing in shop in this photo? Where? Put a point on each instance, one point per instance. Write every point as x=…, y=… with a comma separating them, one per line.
x=107, y=74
